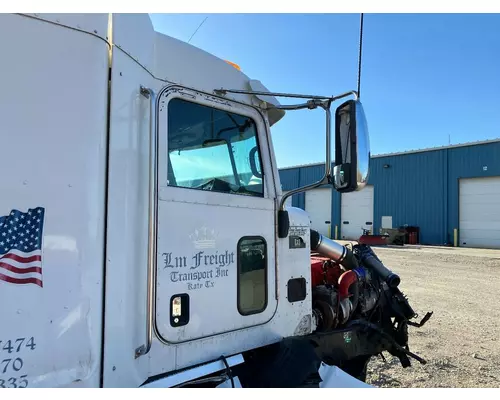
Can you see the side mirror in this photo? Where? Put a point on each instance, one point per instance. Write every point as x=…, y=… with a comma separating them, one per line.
x=255, y=163
x=352, y=148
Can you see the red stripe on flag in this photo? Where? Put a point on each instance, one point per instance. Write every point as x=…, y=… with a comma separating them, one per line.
x=17, y=270
x=18, y=281
x=20, y=259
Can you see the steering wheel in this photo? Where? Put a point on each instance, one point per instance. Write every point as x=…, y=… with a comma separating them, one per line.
x=217, y=185
x=207, y=185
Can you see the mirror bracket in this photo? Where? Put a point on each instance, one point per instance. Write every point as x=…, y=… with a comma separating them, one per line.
x=312, y=103
x=328, y=163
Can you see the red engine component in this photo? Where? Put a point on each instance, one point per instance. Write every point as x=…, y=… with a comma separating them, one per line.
x=324, y=271
x=345, y=282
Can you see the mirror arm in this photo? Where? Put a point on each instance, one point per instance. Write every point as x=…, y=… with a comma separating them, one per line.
x=223, y=91
x=328, y=166
x=311, y=105
x=313, y=102
x=326, y=177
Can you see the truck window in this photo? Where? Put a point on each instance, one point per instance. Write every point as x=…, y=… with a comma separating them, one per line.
x=252, y=275
x=212, y=149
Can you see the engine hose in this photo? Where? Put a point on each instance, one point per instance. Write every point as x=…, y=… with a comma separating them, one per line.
x=333, y=250
x=348, y=282
x=369, y=259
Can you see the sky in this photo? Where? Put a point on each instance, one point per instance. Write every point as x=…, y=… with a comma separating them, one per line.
x=427, y=80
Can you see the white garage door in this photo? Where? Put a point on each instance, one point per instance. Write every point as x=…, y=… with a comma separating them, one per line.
x=479, y=212
x=319, y=208
x=356, y=213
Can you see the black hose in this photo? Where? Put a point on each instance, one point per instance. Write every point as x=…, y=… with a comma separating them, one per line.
x=369, y=259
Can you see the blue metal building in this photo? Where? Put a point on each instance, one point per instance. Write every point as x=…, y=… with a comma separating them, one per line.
x=430, y=189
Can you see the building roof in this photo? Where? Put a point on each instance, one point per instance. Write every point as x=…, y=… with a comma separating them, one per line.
x=451, y=146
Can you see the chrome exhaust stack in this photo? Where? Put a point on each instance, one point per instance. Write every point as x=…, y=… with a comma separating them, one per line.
x=332, y=249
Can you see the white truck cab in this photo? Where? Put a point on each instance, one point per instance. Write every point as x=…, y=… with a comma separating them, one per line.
x=144, y=239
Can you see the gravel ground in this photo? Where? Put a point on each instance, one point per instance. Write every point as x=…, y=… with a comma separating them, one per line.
x=461, y=342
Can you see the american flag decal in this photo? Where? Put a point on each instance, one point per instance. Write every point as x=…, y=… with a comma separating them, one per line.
x=21, y=247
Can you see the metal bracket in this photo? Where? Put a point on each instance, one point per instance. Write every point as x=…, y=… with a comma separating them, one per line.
x=312, y=103
x=140, y=351
x=145, y=92
x=222, y=92
x=422, y=322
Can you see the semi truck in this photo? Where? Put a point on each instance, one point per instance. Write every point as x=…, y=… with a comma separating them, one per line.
x=144, y=236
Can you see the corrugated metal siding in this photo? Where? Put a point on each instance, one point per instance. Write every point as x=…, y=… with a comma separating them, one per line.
x=295, y=177
x=419, y=189
x=289, y=178
x=311, y=174
x=412, y=191
x=308, y=175
x=422, y=188
x=292, y=178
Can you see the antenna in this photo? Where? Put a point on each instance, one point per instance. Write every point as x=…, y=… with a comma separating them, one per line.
x=199, y=26
x=360, y=53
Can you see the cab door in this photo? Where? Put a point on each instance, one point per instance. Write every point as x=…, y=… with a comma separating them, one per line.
x=216, y=224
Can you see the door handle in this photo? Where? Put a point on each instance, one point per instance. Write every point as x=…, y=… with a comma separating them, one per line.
x=152, y=219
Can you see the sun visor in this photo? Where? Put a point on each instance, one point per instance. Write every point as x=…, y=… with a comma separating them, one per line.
x=274, y=114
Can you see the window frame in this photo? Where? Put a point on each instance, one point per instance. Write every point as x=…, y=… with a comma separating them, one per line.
x=238, y=272
x=215, y=105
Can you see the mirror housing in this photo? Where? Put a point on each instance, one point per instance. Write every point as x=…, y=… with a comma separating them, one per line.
x=254, y=163
x=352, y=148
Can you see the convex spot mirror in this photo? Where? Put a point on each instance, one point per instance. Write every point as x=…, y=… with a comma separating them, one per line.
x=255, y=163
x=352, y=148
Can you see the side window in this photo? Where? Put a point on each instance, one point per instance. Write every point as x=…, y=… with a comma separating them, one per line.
x=211, y=149
x=252, y=275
